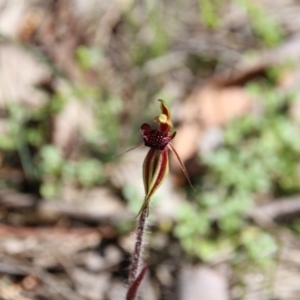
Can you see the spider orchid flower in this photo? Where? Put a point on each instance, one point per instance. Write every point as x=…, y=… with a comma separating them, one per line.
x=156, y=163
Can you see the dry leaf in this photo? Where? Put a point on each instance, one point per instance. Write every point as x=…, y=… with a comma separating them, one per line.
x=74, y=120
x=20, y=72
x=206, y=108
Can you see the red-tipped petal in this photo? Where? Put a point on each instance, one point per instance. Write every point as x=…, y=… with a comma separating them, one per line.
x=171, y=147
x=164, y=109
x=164, y=119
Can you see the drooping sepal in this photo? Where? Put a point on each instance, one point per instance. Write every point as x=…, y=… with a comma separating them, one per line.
x=171, y=147
x=155, y=169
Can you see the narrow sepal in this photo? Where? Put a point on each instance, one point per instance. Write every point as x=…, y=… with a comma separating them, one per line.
x=133, y=148
x=171, y=147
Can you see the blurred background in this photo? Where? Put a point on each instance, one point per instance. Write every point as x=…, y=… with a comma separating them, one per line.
x=78, y=78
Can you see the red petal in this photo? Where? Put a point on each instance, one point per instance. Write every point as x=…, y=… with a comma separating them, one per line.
x=145, y=129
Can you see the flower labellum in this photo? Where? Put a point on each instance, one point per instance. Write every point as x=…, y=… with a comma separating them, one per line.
x=156, y=163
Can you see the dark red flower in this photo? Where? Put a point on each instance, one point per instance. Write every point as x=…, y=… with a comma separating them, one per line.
x=156, y=163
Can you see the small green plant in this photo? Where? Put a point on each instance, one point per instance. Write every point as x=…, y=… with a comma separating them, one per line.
x=264, y=26
x=57, y=172
x=210, y=16
x=258, y=157
x=27, y=141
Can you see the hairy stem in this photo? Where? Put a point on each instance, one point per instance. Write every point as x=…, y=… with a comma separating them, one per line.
x=136, y=258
